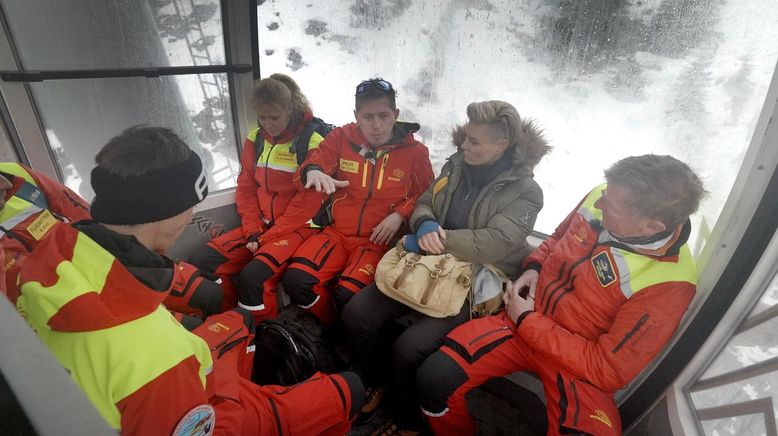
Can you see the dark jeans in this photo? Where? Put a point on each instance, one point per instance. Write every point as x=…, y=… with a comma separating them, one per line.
x=369, y=317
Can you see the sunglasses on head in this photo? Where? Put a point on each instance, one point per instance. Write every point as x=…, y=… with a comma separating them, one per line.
x=379, y=84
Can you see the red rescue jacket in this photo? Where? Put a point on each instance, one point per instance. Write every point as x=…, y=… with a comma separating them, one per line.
x=33, y=206
x=265, y=188
x=604, y=309
x=381, y=180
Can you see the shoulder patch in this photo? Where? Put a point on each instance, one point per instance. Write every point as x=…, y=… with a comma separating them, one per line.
x=603, y=267
x=199, y=421
x=526, y=217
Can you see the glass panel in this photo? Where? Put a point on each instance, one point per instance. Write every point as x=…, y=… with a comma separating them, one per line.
x=80, y=116
x=605, y=78
x=88, y=34
x=7, y=153
x=743, y=350
x=768, y=300
x=744, y=390
x=749, y=425
x=747, y=348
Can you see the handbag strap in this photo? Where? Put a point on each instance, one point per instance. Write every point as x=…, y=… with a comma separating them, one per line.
x=408, y=263
x=435, y=274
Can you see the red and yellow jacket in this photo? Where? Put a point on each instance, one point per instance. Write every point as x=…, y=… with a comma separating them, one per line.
x=381, y=180
x=33, y=206
x=265, y=188
x=143, y=372
x=603, y=309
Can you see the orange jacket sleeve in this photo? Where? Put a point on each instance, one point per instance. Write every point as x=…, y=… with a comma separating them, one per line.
x=302, y=208
x=158, y=407
x=61, y=200
x=421, y=179
x=325, y=157
x=246, y=193
x=642, y=327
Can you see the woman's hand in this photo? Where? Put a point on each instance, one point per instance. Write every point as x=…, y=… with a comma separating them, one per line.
x=432, y=242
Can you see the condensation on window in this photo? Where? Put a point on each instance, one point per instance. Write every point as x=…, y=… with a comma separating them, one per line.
x=88, y=34
x=606, y=79
x=81, y=115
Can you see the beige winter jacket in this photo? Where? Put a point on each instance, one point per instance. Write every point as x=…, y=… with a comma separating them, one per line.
x=504, y=212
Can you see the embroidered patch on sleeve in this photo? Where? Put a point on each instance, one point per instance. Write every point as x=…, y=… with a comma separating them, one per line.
x=526, y=217
x=603, y=267
x=199, y=421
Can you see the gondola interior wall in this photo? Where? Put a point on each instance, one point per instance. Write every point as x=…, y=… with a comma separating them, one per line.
x=605, y=79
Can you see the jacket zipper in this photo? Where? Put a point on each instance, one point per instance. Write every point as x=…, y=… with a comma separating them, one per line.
x=320, y=249
x=574, y=390
x=483, y=335
x=631, y=333
x=364, y=203
x=569, y=275
x=547, y=294
x=562, y=295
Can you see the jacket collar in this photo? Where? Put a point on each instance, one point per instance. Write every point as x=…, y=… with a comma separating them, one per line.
x=289, y=133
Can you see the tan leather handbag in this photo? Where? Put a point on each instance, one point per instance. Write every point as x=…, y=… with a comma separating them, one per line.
x=435, y=285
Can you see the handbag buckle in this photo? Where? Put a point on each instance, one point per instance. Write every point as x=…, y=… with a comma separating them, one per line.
x=436, y=273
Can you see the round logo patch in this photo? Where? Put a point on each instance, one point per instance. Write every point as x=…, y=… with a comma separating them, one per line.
x=200, y=421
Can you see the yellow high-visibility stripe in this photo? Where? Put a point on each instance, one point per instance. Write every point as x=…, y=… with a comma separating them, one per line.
x=17, y=170
x=252, y=136
x=638, y=272
x=439, y=185
x=364, y=175
x=381, y=172
x=112, y=363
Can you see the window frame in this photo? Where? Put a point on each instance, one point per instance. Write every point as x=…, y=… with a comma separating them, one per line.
x=26, y=128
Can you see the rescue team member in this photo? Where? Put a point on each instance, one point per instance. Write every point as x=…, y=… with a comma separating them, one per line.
x=272, y=224
x=31, y=204
x=93, y=293
x=380, y=170
x=605, y=293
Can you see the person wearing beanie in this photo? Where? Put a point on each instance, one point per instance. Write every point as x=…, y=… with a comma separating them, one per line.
x=93, y=292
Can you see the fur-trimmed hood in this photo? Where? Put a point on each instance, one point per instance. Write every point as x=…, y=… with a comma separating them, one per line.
x=532, y=144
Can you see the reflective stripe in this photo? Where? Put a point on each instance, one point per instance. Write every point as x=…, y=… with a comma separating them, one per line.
x=310, y=305
x=439, y=185
x=364, y=175
x=277, y=157
x=19, y=208
x=252, y=136
x=252, y=308
x=381, y=172
x=112, y=363
x=315, y=140
x=286, y=169
x=638, y=272
x=17, y=170
x=587, y=209
x=433, y=414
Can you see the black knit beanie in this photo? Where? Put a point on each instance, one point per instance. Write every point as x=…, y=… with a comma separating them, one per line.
x=151, y=197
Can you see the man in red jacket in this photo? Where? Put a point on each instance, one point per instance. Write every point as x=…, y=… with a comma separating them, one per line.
x=375, y=170
x=31, y=204
x=599, y=299
x=93, y=294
